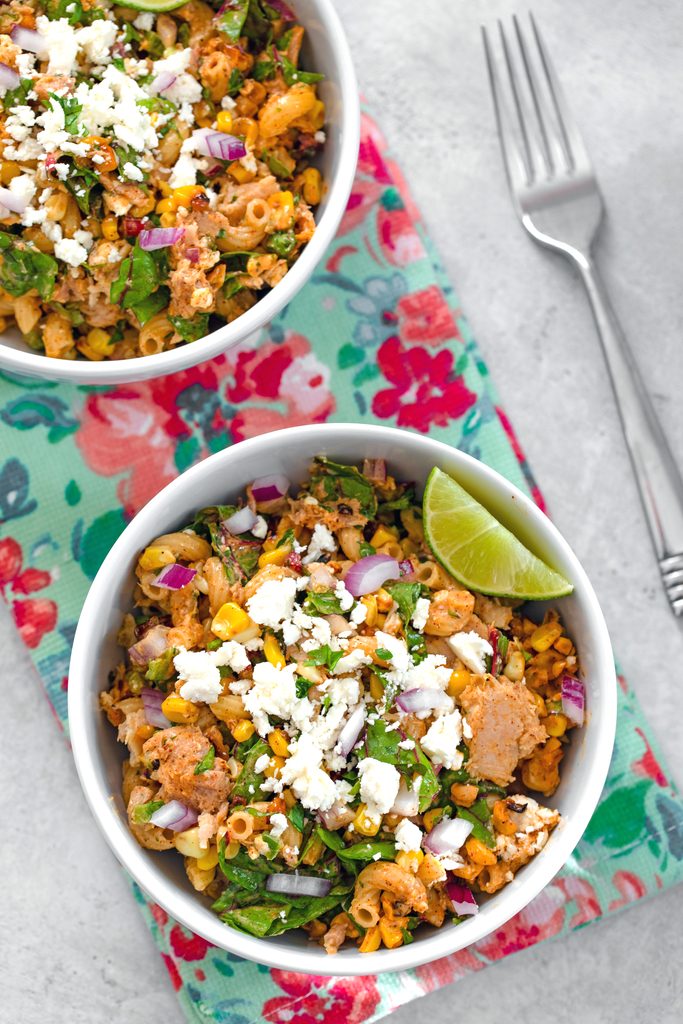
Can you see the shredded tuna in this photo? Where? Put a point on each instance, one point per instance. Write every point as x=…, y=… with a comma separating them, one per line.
x=177, y=751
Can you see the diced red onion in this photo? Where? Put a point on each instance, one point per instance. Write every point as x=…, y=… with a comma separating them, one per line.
x=174, y=815
x=192, y=254
x=241, y=521
x=406, y=567
x=407, y=801
x=163, y=81
x=174, y=577
x=370, y=573
x=219, y=145
x=423, y=700
x=448, y=836
x=12, y=201
x=298, y=885
x=152, y=701
x=573, y=699
x=159, y=238
x=27, y=39
x=351, y=731
x=268, y=488
x=9, y=78
x=152, y=645
x=462, y=898
x=282, y=9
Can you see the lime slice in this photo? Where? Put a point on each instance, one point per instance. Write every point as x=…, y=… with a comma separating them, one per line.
x=156, y=6
x=483, y=555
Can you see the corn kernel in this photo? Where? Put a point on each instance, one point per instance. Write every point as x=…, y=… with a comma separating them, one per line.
x=313, y=852
x=229, y=620
x=167, y=220
x=480, y=854
x=164, y=188
x=409, y=860
x=545, y=636
x=243, y=730
x=208, y=859
x=187, y=843
x=289, y=799
x=165, y=205
x=563, y=645
x=277, y=557
x=364, y=824
x=540, y=705
x=376, y=688
x=224, y=121
x=156, y=558
x=317, y=115
x=100, y=341
x=459, y=680
x=184, y=195
x=370, y=602
x=385, y=601
x=391, y=933
x=239, y=173
x=279, y=742
x=556, y=725
x=371, y=940
x=274, y=655
x=273, y=769
x=179, y=710
x=144, y=732
x=231, y=849
x=110, y=229
x=312, y=190
x=9, y=169
x=430, y=818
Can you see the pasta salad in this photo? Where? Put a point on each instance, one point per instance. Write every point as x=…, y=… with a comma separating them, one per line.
x=331, y=731
x=156, y=170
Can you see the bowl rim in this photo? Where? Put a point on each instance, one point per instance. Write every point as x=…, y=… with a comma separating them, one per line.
x=32, y=364
x=195, y=915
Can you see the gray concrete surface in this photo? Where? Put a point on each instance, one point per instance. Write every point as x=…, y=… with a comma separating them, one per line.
x=73, y=948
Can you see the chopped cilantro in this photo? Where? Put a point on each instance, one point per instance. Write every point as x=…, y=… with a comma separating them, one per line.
x=282, y=243
x=206, y=763
x=325, y=656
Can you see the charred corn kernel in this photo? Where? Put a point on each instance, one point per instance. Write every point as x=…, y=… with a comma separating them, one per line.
x=556, y=725
x=410, y=860
x=110, y=229
x=167, y=220
x=317, y=114
x=278, y=739
x=229, y=620
x=384, y=600
x=270, y=543
x=459, y=680
x=376, y=688
x=274, y=655
x=231, y=849
x=431, y=871
x=469, y=871
x=247, y=128
x=9, y=169
x=545, y=636
x=156, y=558
x=464, y=794
x=88, y=352
x=289, y=799
x=243, y=730
x=557, y=668
x=277, y=557
x=165, y=205
x=313, y=851
x=273, y=769
x=372, y=940
x=370, y=603
x=184, y=195
x=430, y=819
x=540, y=705
x=143, y=732
x=364, y=824
x=381, y=536
x=224, y=121
x=164, y=188
x=100, y=341
x=501, y=819
x=282, y=200
x=479, y=853
x=180, y=711
x=316, y=929
x=391, y=933
x=239, y=173
x=514, y=667
x=563, y=645
x=208, y=859
x=187, y=843
x=312, y=190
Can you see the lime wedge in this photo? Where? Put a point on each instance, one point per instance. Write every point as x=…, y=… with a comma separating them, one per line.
x=481, y=553
x=156, y=6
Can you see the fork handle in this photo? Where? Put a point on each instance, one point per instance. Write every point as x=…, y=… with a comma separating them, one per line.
x=657, y=475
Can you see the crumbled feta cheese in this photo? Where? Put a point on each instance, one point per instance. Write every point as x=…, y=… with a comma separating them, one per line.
x=25, y=64
x=261, y=763
x=379, y=784
x=432, y=673
x=144, y=21
x=344, y=597
x=309, y=782
x=352, y=661
x=186, y=88
x=400, y=660
x=71, y=252
x=260, y=528
x=358, y=614
x=442, y=739
x=319, y=136
x=421, y=613
x=60, y=44
x=133, y=172
x=322, y=542
x=377, y=856
x=273, y=602
x=408, y=836
x=278, y=824
x=274, y=693
x=407, y=744
x=471, y=649
x=96, y=40
x=200, y=670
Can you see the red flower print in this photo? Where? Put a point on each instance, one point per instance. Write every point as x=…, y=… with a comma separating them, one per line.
x=361, y=201
x=450, y=968
x=188, y=946
x=36, y=616
x=540, y=920
x=426, y=317
x=630, y=886
x=648, y=766
x=401, y=244
x=313, y=999
x=287, y=380
x=173, y=971
x=584, y=896
x=425, y=390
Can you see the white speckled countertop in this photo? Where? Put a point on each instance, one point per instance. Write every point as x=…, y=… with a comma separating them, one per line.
x=73, y=947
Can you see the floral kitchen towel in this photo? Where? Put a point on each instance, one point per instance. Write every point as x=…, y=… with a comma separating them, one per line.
x=377, y=337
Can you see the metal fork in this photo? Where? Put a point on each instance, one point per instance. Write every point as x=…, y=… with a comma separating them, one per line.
x=558, y=200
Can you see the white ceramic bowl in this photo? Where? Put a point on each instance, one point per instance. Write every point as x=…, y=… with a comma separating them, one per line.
x=325, y=50
x=221, y=478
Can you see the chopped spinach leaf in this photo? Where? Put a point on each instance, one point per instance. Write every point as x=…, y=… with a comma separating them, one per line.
x=137, y=279
x=325, y=656
x=282, y=243
x=297, y=817
x=206, y=763
x=302, y=686
x=191, y=330
x=143, y=812
x=336, y=481
x=24, y=267
x=72, y=111
x=231, y=19
x=152, y=305
x=479, y=830
x=248, y=782
x=324, y=603
x=293, y=74
x=406, y=597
